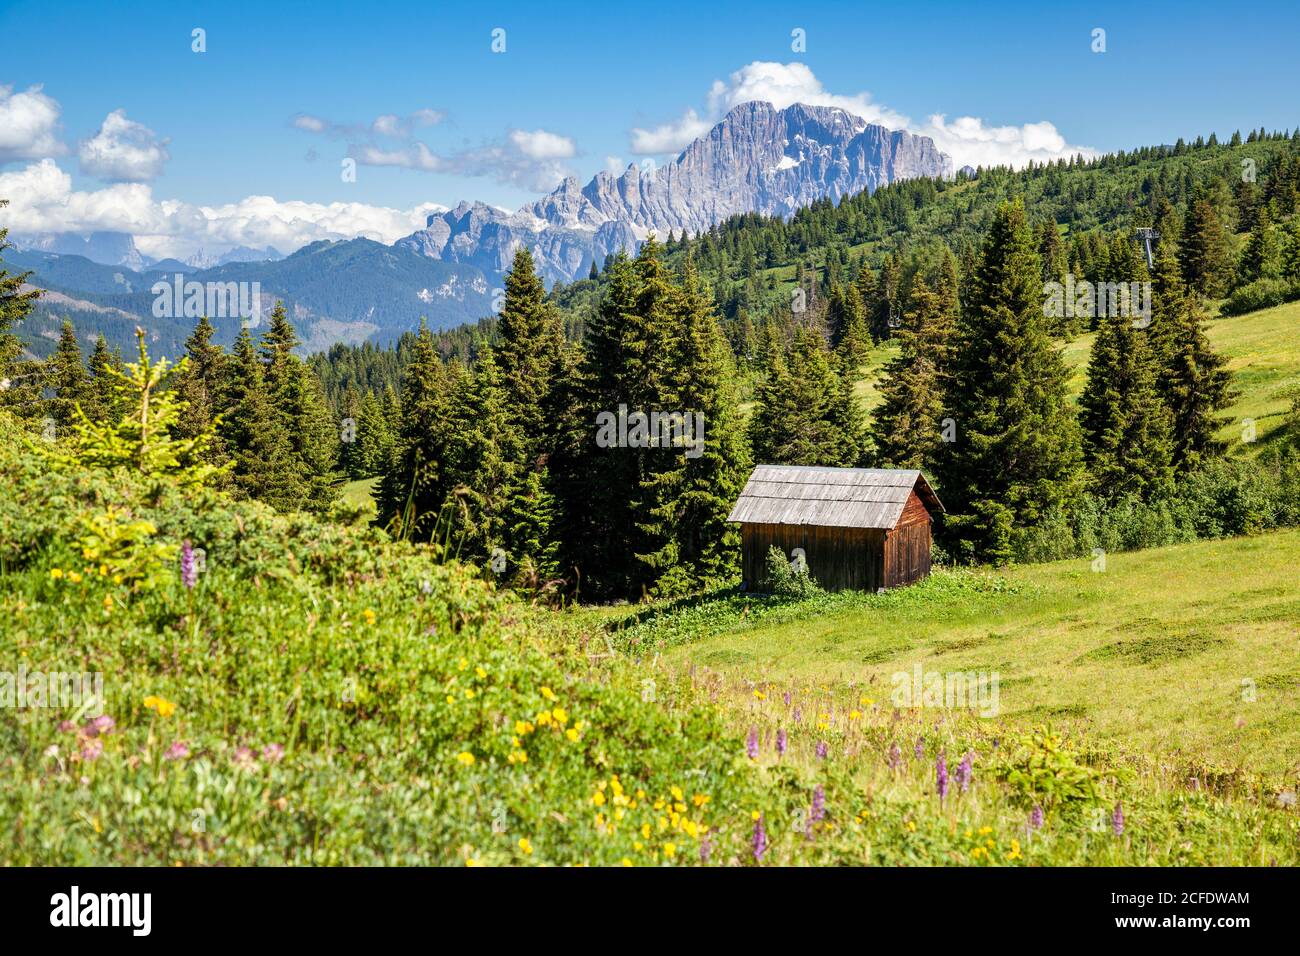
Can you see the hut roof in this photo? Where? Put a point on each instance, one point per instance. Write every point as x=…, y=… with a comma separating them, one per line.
x=830, y=497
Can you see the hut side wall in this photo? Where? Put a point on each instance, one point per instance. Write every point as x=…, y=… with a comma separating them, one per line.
x=838, y=558
x=907, y=546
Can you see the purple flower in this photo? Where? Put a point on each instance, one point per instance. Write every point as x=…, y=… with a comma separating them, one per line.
x=964, y=773
x=1117, y=819
x=273, y=752
x=919, y=750
x=786, y=698
x=821, y=750
x=67, y=726
x=941, y=778
x=103, y=724
x=817, y=812
x=189, y=570
x=895, y=756
x=92, y=750
x=243, y=756
x=780, y=742
x=751, y=744
x=706, y=848
x=177, y=751
x=1036, y=817
x=798, y=712
x=760, y=839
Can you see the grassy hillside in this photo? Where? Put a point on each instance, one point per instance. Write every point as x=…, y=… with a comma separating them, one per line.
x=1159, y=653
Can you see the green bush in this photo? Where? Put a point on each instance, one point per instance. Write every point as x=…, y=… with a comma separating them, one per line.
x=786, y=580
x=1260, y=294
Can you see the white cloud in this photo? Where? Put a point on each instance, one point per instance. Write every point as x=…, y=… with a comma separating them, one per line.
x=967, y=139
x=29, y=125
x=541, y=144
x=43, y=201
x=123, y=151
x=387, y=126
x=670, y=137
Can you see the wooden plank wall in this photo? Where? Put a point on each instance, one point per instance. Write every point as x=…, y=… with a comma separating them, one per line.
x=838, y=558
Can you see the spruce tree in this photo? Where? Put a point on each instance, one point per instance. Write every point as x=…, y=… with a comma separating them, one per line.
x=20, y=381
x=1204, y=251
x=907, y=431
x=65, y=376
x=200, y=386
x=255, y=435
x=530, y=340
x=1128, y=448
x=1262, y=257
x=1015, y=457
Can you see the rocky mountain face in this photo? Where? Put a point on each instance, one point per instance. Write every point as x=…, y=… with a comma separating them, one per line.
x=757, y=159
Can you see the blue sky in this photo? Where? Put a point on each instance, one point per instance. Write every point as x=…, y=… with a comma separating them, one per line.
x=574, y=83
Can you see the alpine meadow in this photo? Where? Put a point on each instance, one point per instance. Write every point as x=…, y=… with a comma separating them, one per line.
x=819, y=486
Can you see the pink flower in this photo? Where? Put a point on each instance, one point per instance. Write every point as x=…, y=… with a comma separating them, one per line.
x=177, y=751
x=273, y=752
x=103, y=724
x=92, y=750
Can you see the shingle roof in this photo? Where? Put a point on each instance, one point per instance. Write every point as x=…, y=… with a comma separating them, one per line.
x=830, y=497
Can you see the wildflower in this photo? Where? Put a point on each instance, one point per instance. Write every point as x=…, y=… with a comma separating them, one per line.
x=103, y=724
x=472, y=861
x=919, y=750
x=572, y=734
x=163, y=707
x=1036, y=817
x=598, y=799
x=273, y=752
x=526, y=846
x=818, y=810
x=626, y=861
x=706, y=848
x=177, y=751
x=941, y=777
x=1117, y=819
x=56, y=573
x=189, y=571
x=560, y=715
x=549, y=694
x=855, y=714
x=93, y=749
x=369, y=615
x=822, y=750
x=480, y=673
x=786, y=697
x=759, y=695
x=243, y=756
x=964, y=773
x=751, y=744
x=74, y=577
x=67, y=726
x=700, y=799
x=760, y=839
x=865, y=701
x=895, y=756
x=798, y=714
x=1015, y=850
x=670, y=850
x=465, y=757
x=780, y=742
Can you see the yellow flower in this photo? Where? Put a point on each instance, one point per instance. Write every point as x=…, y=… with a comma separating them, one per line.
x=369, y=616
x=626, y=861
x=465, y=757
x=480, y=672
x=854, y=714
x=526, y=846
x=163, y=707
x=549, y=694
x=645, y=831
x=56, y=573
x=1015, y=850
x=103, y=570
x=598, y=799
x=469, y=693
x=700, y=799
x=754, y=815
x=865, y=701
x=911, y=827
x=74, y=577
x=472, y=862
x=462, y=663
x=670, y=849
x=572, y=734
x=677, y=793
x=759, y=695
x=88, y=553
x=522, y=727
x=108, y=601
x=985, y=831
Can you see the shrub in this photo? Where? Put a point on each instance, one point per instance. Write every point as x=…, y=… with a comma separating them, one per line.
x=1260, y=294
x=789, y=579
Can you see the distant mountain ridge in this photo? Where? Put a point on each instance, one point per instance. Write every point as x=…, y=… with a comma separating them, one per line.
x=756, y=159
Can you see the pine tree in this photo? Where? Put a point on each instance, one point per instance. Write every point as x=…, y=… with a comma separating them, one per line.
x=1204, y=251
x=1262, y=257
x=295, y=392
x=1015, y=457
x=255, y=435
x=907, y=431
x=102, y=401
x=805, y=411
x=855, y=343
x=1128, y=449
x=200, y=387
x=20, y=381
x=65, y=375
x=374, y=439
x=530, y=340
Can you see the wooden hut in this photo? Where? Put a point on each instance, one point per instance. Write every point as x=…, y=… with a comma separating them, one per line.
x=859, y=528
